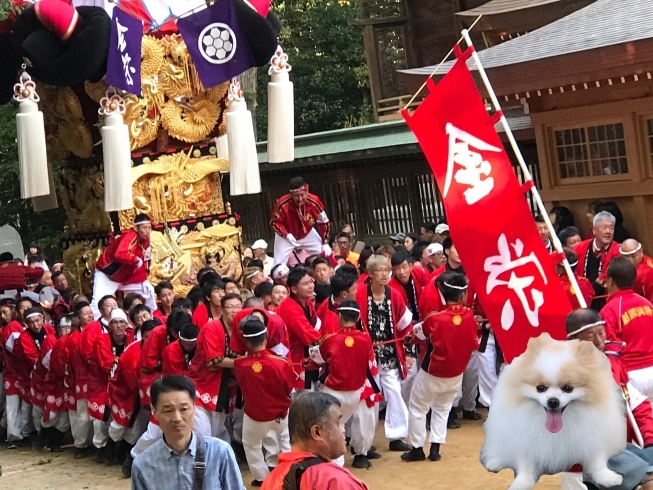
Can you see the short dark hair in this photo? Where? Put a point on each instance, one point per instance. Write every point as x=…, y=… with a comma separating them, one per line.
x=364, y=256
x=129, y=299
x=206, y=273
x=103, y=299
x=295, y=275
x=163, y=285
x=170, y=383
x=399, y=257
x=344, y=234
x=209, y=286
x=566, y=233
x=447, y=243
x=571, y=257
x=141, y=218
x=342, y=280
x=227, y=280
x=451, y=294
x=76, y=310
x=32, y=310
x=195, y=296
x=307, y=409
x=581, y=317
x=228, y=297
x=138, y=309
x=6, y=257
x=429, y=226
x=320, y=260
x=182, y=303
x=347, y=314
x=176, y=320
x=623, y=272
x=539, y=219
x=296, y=183
x=263, y=289
x=254, y=328
x=189, y=331
x=256, y=263
x=322, y=292
x=418, y=249
x=56, y=274
x=150, y=325
x=253, y=302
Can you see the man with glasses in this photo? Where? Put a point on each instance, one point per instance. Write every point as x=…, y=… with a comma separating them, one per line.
x=386, y=317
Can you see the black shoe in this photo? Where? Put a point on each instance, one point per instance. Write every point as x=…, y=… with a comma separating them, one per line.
x=42, y=439
x=127, y=466
x=415, y=454
x=373, y=455
x=434, y=453
x=361, y=461
x=81, y=452
x=110, y=456
x=452, y=423
x=239, y=451
x=99, y=455
x=471, y=415
x=399, y=445
x=55, y=441
x=24, y=442
x=256, y=483
x=124, y=448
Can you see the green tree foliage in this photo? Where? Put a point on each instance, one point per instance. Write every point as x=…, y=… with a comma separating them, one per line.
x=329, y=69
x=46, y=227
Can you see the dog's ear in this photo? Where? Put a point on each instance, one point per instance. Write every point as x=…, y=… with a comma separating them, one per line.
x=586, y=350
x=536, y=343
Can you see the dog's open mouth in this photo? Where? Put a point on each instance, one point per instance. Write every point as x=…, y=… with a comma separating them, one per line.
x=554, y=420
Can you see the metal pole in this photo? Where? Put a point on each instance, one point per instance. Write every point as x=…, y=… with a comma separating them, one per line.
x=522, y=163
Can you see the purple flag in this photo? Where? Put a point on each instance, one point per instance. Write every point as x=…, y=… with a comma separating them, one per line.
x=217, y=43
x=124, y=59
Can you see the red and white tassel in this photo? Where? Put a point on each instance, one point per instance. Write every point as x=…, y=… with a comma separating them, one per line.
x=32, y=154
x=116, y=152
x=244, y=177
x=281, y=110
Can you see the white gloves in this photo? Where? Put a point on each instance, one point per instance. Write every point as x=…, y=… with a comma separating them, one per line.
x=139, y=263
x=418, y=331
x=292, y=240
x=147, y=254
x=327, y=250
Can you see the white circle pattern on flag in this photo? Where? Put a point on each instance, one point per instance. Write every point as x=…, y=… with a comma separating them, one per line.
x=217, y=43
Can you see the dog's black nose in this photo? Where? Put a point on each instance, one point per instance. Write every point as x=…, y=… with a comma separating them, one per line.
x=553, y=403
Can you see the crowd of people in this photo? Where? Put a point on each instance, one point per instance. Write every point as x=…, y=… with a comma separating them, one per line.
x=327, y=332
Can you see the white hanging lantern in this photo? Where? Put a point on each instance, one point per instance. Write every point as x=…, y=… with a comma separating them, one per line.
x=244, y=174
x=32, y=155
x=117, y=153
x=281, y=110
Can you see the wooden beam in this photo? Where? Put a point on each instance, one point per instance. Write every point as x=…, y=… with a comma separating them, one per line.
x=401, y=19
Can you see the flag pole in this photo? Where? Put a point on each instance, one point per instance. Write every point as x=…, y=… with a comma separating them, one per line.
x=522, y=163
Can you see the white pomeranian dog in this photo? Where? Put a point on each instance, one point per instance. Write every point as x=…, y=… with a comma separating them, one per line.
x=556, y=405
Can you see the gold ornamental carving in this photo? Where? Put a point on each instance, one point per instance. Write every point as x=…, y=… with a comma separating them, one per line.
x=80, y=258
x=81, y=193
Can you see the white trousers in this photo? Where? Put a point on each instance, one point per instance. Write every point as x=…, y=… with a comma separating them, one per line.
x=311, y=244
x=18, y=418
x=396, y=412
x=100, y=432
x=642, y=379
x=81, y=425
x=407, y=384
x=253, y=434
x=131, y=434
x=487, y=372
x=149, y=437
x=362, y=417
x=436, y=394
x=58, y=420
x=103, y=286
x=466, y=396
x=211, y=424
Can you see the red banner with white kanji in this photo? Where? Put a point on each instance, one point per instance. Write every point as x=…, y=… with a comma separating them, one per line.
x=489, y=219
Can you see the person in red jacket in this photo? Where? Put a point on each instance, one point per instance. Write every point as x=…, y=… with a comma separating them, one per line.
x=17, y=411
x=629, y=318
x=452, y=340
x=128, y=419
x=266, y=381
x=81, y=424
x=295, y=218
x=123, y=266
x=59, y=394
x=347, y=353
x=165, y=295
x=298, y=313
x=277, y=335
x=31, y=347
x=585, y=286
x=210, y=309
x=15, y=275
x=586, y=324
x=178, y=356
x=106, y=351
x=343, y=285
x=632, y=250
x=595, y=254
x=386, y=317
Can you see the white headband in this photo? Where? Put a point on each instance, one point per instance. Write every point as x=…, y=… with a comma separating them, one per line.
x=582, y=329
x=249, y=335
x=253, y=274
x=460, y=288
x=349, y=308
x=639, y=247
x=573, y=264
x=281, y=271
x=187, y=340
x=33, y=314
x=142, y=223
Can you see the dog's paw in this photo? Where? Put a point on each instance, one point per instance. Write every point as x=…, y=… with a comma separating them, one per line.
x=493, y=465
x=606, y=478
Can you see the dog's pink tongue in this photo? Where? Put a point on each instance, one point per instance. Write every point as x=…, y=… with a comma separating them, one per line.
x=553, y=420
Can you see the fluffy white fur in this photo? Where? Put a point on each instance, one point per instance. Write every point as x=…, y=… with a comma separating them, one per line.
x=594, y=421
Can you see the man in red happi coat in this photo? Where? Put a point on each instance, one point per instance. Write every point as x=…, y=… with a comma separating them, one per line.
x=344, y=285
x=298, y=313
x=584, y=285
x=277, y=335
x=595, y=254
x=295, y=218
x=633, y=250
x=107, y=350
x=178, y=356
x=123, y=266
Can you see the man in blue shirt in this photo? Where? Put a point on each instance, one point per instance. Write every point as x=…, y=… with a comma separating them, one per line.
x=178, y=461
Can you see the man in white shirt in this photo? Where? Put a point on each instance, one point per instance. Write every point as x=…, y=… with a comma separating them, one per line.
x=260, y=249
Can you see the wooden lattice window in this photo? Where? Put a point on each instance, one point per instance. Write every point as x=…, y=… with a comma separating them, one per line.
x=592, y=151
x=391, y=51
